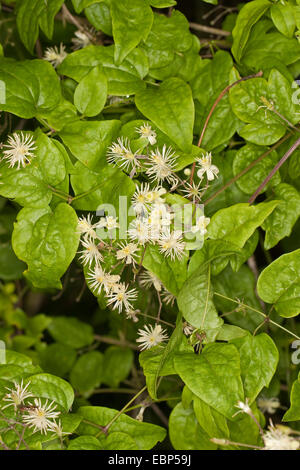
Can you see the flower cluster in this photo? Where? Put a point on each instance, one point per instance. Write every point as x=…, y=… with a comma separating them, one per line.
x=279, y=438
x=41, y=417
x=153, y=222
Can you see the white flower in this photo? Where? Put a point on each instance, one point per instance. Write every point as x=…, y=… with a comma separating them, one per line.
x=55, y=56
x=19, y=150
x=140, y=415
x=139, y=231
x=81, y=40
x=268, y=405
x=243, y=407
x=140, y=199
x=127, y=253
x=121, y=297
x=201, y=224
x=144, y=197
x=17, y=395
x=98, y=279
x=90, y=253
x=111, y=282
x=148, y=279
x=120, y=153
x=57, y=428
x=172, y=245
x=193, y=191
x=150, y=336
x=131, y=314
x=155, y=194
x=207, y=167
x=147, y=132
x=86, y=227
x=277, y=439
x=108, y=222
x=167, y=297
x=187, y=328
x=161, y=215
x=39, y=416
x=161, y=166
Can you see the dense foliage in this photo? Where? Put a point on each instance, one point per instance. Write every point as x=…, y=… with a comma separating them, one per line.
x=149, y=232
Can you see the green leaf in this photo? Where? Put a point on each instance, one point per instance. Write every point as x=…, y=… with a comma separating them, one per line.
x=169, y=37
x=87, y=372
x=213, y=422
x=237, y=223
x=279, y=284
x=32, y=86
x=259, y=359
x=57, y=359
x=293, y=413
x=99, y=16
x=89, y=140
x=265, y=46
x=237, y=259
x=170, y=106
x=11, y=268
x=47, y=241
x=247, y=17
x=288, y=210
x=29, y=186
x=79, y=5
x=144, y=435
x=33, y=13
x=263, y=128
x=244, y=429
x=229, y=332
x=17, y=366
x=214, y=252
x=185, y=65
x=91, y=93
x=158, y=361
x=104, y=187
x=85, y=443
x=213, y=77
x=284, y=19
x=196, y=304
x=171, y=273
x=238, y=285
x=71, y=332
x=214, y=376
x=117, y=365
x=185, y=431
x=244, y=157
x=281, y=91
x=53, y=388
x=162, y=3
x=123, y=80
x=58, y=117
x=131, y=24
x=256, y=102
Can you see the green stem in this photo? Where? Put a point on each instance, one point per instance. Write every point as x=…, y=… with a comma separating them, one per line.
x=86, y=193
x=59, y=194
x=128, y=391
x=274, y=170
x=207, y=297
x=258, y=311
x=248, y=168
x=106, y=428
